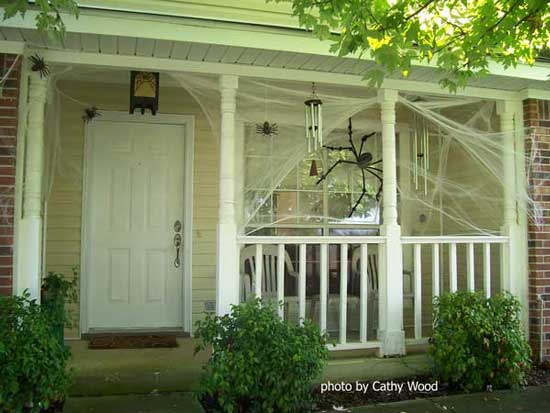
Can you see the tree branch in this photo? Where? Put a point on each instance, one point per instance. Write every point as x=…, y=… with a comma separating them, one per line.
x=410, y=16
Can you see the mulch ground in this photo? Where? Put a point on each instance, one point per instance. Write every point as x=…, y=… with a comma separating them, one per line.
x=329, y=400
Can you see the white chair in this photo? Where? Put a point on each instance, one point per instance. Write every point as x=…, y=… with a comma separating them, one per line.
x=372, y=290
x=270, y=256
x=354, y=296
x=353, y=318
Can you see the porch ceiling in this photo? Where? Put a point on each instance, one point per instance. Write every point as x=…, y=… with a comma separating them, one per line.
x=242, y=56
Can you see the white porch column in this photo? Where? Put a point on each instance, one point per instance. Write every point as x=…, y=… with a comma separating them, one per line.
x=514, y=276
x=30, y=243
x=227, y=265
x=391, y=332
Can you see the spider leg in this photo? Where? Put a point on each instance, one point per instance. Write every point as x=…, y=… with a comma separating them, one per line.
x=350, y=138
x=374, y=169
x=363, y=192
x=368, y=169
x=364, y=139
x=338, y=162
x=376, y=162
x=338, y=148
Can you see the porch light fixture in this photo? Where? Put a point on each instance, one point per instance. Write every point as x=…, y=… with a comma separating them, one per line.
x=144, y=91
x=314, y=121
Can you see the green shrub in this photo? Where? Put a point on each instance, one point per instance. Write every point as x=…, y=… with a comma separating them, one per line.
x=56, y=293
x=478, y=342
x=32, y=361
x=259, y=363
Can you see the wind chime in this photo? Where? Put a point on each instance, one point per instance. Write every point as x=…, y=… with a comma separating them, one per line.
x=314, y=126
x=421, y=154
x=314, y=121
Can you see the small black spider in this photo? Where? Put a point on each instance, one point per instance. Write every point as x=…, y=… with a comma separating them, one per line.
x=39, y=65
x=363, y=160
x=90, y=113
x=267, y=129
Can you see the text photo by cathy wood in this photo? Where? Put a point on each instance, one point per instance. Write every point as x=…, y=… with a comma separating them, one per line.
x=380, y=386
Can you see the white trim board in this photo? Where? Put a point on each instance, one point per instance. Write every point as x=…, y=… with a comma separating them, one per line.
x=172, y=65
x=188, y=122
x=73, y=57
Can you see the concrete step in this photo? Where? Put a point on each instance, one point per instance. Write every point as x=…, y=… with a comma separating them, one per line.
x=142, y=403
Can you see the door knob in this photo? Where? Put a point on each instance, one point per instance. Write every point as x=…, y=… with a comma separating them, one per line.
x=177, y=244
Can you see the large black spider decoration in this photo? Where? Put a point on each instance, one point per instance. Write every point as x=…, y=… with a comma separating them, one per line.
x=267, y=129
x=39, y=65
x=363, y=160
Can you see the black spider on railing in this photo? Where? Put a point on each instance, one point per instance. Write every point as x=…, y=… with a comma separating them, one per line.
x=362, y=160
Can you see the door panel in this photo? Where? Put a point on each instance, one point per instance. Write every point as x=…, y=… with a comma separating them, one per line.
x=135, y=196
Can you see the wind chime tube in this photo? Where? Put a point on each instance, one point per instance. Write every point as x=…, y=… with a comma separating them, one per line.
x=425, y=158
x=317, y=118
x=426, y=161
x=415, y=154
x=320, y=125
x=313, y=126
x=307, y=129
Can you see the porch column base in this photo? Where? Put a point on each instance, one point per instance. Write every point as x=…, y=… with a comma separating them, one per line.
x=392, y=343
x=227, y=282
x=29, y=252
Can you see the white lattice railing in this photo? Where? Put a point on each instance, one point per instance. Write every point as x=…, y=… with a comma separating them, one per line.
x=489, y=244
x=278, y=265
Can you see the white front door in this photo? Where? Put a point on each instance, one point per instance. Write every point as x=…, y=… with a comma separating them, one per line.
x=135, y=196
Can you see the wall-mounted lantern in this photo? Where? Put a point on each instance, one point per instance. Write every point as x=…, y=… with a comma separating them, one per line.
x=144, y=91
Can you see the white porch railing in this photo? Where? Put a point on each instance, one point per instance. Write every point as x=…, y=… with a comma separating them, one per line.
x=268, y=261
x=277, y=266
x=489, y=245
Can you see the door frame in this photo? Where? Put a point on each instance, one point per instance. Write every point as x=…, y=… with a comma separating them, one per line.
x=188, y=122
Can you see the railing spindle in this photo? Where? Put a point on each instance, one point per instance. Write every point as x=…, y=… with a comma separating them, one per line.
x=302, y=284
x=417, y=291
x=343, y=291
x=323, y=288
x=470, y=280
x=259, y=268
x=453, y=282
x=435, y=270
x=281, y=280
x=364, y=293
x=487, y=269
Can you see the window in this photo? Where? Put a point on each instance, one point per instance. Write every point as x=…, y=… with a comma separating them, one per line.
x=284, y=195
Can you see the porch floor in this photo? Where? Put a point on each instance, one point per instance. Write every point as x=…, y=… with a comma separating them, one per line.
x=145, y=371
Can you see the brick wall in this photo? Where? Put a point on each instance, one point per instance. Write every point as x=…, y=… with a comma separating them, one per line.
x=8, y=133
x=537, y=119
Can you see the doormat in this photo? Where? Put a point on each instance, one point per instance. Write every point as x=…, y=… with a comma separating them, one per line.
x=107, y=342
